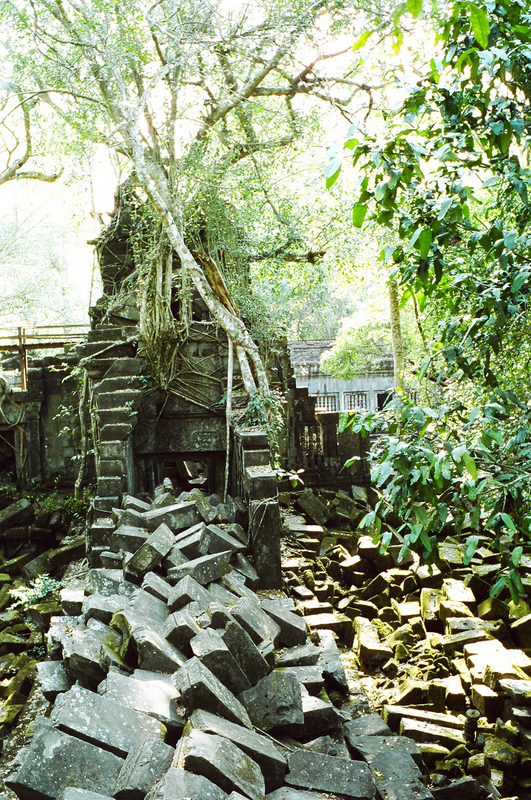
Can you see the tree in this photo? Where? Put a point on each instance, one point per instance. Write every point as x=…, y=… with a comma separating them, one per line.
x=450, y=177
x=184, y=91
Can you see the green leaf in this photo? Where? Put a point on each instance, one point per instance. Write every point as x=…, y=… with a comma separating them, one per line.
x=470, y=548
x=413, y=239
x=470, y=465
x=364, y=38
x=516, y=555
x=508, y=521
x=519, y=281
x=358, y=214
x=444, y=207
x=480, y=25
x=425, y=242
x=414, y=7
x=499, y=585
x=458, y=452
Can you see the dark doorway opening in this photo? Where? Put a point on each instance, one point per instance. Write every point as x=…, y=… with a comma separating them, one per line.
x=8, y=464
x=186, y=471
x=383, y=398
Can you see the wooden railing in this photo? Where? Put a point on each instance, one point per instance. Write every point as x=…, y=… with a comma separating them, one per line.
x=38, y=337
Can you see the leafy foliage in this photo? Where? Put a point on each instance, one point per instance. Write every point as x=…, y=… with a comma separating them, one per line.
x=37, y=590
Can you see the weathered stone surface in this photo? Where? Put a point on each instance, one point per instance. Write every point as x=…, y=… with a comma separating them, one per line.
x=221, y=761
x=149, y=692
x=320, y=717
x=259, y=625
x=54, y=760
x=521, y=629
x=53, y=679
x=270, y=760
x=245, y=652
x=188, y=590
x=290, y=793
x=150, y=554
x=313, y=506
x=128, y=501
x=73, y=793
x=212, y=651
x=396, y=773
x=275, y=701
x=178, y=783
x=304, y=655
x=157, y=586
x=466, y=788
x=19, y=513
x=180, y=628
x=204, y=570
x=367, y=725
x=96, y=606
x=201, y=689
x=128, y=538
x=264, y=532
x=329, y=774
x=146, y=762
x=155, y=653
x=72, y=597
x=517, y=690
x=207, y=512
x=330, y=661
x=310, y=677
x=369, y=648
x=103, y=722
x=293, y=629
x=177, y=517
x=220, y=540
x=88, y=652
x=193, y=542
x=428, y=732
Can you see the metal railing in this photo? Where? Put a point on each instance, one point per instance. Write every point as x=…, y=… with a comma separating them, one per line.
x=38, y=337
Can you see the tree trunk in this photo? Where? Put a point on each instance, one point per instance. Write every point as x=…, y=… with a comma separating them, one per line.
x=396, y=336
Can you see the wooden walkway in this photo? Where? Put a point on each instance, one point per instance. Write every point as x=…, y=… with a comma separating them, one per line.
x=38, y=337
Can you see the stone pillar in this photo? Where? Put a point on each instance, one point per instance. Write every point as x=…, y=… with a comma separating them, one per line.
x=264, y=530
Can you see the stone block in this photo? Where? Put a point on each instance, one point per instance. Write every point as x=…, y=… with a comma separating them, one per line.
x=19, y=513
x=207, y=512
x=521, y=630
x=72, y=597
x=305, y=655
x=150, y=554
x=274, y=702
x=149, y=692
x=368, y=646
x=146, y=763
x=85, y=652
x=130, y=502
x=467, y=788
x=330, y=662
x=53, y=679
x=157, y=586
x=320, y=717
x=180, y=628
x=366, y=725
x=340, y=624
x=54, y=760
x=246, y=653
x=96, y=606
x=293, y=629
x=270, y=759
x=177, y=517
x=259, y=625
x=178, y=783
x=518, y=690
x=264, y=534
x=128, y=538
x=204, y=570
x=212, y=651
x=309, y=677
x=243, y=567
x=201, y=689
x=324, y=773
x=221, y=761
x=193, y=542
x=220, y=540
x=313, y=506
x=429, y=732
x=144, y=647
x=488, y=702
x=109, y=559
x=103, y=722
x=188, y=590
x=396, y=773
x=73, y=793
x=105, y=582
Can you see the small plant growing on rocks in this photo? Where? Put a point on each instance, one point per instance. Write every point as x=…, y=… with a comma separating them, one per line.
x=37, y=590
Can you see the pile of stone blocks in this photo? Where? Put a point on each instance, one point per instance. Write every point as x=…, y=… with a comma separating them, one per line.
x=170, y=676
x=434, y=642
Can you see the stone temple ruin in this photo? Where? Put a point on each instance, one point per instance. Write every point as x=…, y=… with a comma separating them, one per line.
x=237, y=647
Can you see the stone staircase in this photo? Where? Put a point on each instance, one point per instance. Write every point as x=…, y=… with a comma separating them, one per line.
x=108, y=356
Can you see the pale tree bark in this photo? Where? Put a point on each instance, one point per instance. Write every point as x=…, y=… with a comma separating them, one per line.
x=396, y=336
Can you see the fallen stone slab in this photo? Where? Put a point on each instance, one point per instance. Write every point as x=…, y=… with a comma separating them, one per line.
x=271, y=761
x=73, y=793
x=309, y=770
x=178, y=783
x=518, y=690
x=19, y=513
x=128, y=538
x=146, y=762
x=368, y=646
x=320, y=717
x=392, y=714
x=149, y=692
x=54, y=760
x=429, y=732
x=367, y=725
x=72, y=597
x=274, y=702
x=53, y=559
x=96, y=606
x=293, y=629
x=102, y=721
x=150, y=554
x=289, y=793
x=259, y=625
x=221, y=540
x=177, y=517
x=330, y=662
x=212, y=651
x=521, y=630
x=192, y=543
x=305, y=655
x=156, y=585
x=330, y=747
x=246, y=653
x=89, y=651
x=309, y=677
x=221, y=761
x=53, y=679
x=207, y=511
x=188, y=590
x=129, y=501
x=390, y=760
x=467, y=788
x=313, y=506
x=204, y=569
x=180, y=628
x=243, y=567
x=199, y=688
